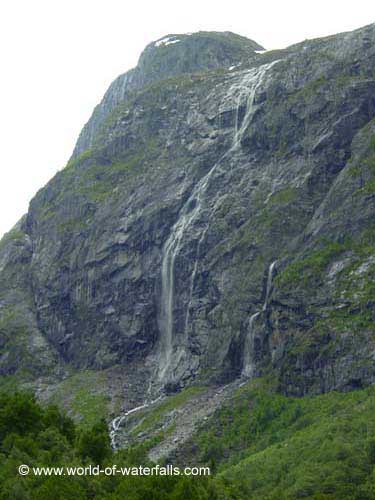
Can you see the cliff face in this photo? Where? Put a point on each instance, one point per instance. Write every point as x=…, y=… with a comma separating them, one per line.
x=171, y=56
x=216, y=220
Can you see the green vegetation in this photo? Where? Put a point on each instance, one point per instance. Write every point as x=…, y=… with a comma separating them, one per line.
x=313, y=87
x=372, y=143
x=265, y=445
x=310, y=90
x=84, y=395
x=310, y=268
x=284, y=196
x=354, y=283
x=86, y=155
x=367, y=168
x=370, y=187
x=13, y=235
x=356, y=286
x=96, y=181
x=364, y=168
x=261, y=444
x=71, y=225
x=22, y=341
x=154, y=418
x=44, y=437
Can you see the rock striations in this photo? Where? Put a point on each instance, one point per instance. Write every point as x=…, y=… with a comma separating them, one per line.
x=216, y=220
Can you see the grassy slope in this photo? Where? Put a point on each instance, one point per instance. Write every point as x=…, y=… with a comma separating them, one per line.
x=260, y=445
x=265, y=445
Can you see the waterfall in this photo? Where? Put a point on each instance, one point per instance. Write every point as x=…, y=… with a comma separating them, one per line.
x=116, y=423
x=269, y=284
x=189, y=212
x=246, y=88
x=248, y=365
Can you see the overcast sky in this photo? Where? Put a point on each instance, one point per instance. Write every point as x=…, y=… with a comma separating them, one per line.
x=58, y=58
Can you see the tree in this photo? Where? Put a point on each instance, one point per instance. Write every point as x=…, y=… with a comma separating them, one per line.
x=94, y=444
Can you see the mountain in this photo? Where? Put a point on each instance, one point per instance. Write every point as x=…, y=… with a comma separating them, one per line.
x=171, y=56
x=215, y=224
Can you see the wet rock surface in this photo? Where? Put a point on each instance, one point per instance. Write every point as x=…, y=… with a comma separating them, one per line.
x=208, y=171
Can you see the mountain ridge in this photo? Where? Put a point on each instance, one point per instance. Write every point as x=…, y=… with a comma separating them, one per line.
x=286, y=149
x=196, y=52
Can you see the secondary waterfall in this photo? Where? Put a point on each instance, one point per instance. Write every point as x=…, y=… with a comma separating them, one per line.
x=245, y=88
x=248, y=365
x=271, y=270
x=116, y=423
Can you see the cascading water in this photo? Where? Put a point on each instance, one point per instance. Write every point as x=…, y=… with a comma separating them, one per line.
x=271, y=270
x=248, y=365
x=247, y=87
x=248, y=368
x=117, y=422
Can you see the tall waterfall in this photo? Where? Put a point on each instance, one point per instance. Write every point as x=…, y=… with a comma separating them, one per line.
x=245, y=89
x=248, y=365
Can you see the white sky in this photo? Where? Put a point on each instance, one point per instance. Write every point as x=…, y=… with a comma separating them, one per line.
x=58, y=58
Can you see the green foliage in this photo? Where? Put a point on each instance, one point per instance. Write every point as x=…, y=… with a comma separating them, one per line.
x=284, y=196
x=354, y=289
x=309, y=91
x=369, y=188
x=19, y=414
x=310, y=268
x=154, y=418
x=44, y=437
x=355, y=285
x=271, y=446
x=84, y=394
x=53, y=418
x=94, y=443
x=86, y=155
x=92, y=179
x=366, y=171
x=261, y=444
x=13, y=235
x=97, y=181
x=60, y=489
x=71, y=225
x=354, y=171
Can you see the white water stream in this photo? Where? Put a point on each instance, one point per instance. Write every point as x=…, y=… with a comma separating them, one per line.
x=246, y=88
x=116, y=423
x=248, y=365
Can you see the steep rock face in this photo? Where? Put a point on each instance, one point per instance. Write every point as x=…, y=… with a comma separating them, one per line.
x=170, y=56
x=154, y=245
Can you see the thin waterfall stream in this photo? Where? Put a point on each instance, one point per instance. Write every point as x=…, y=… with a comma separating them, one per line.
x=117, y=422
x=247, y=88
x=188, y=214
x=248, y=367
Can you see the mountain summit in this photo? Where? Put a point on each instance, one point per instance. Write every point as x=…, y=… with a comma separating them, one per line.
x=170, y=56
x=215, y=224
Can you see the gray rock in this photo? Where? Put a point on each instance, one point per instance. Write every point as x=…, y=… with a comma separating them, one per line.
x=256, y=163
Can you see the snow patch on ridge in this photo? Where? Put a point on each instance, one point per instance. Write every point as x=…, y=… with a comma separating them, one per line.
x=168, y=40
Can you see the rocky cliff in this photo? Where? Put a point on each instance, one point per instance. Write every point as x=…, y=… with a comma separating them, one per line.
x=216, y=220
